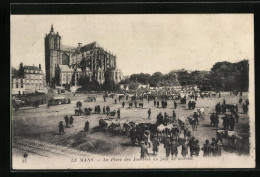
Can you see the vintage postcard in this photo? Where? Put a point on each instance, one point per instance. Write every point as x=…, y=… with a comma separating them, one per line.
x=132, y=91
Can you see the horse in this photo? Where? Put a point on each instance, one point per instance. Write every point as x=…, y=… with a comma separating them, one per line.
x=78, y=112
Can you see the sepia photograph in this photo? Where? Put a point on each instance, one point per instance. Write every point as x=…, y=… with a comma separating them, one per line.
x=132, y=91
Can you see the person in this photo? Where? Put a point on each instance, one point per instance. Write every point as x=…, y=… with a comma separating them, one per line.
x=175, y=105
x=196, y=148
x=149, y=113
x=144, y=150
x=123, y=104
x=196, y=116
x=224, y=108
x=184, y=149
x=190, y=144
x=104, y=110
x=108, y=110
x=118, y=113
x=173, y=115
x=219, y=147
x=132, y=135
x=158, y=104
x=136, y=104
x=225, y=121
x=231, y=122
x=86, y=128
x=162, y=103
x=236, y=117
x=196, y=97
x=167, y=145
x=213, y=149
x=247, y=102
x=206, y=148
x=216, y=120
x=104, y=98
x=154, y=103
x=189, y=105
x=160, y=118
x=147, y=138
x=156, y=144
x=61, y=128
x=148, y=99
x=174, y=147
x=240, y=100
x=224, y=102
x=115, y=100
x=165, y=118
x=219, y=95
x=71, y=120
x=66, y=120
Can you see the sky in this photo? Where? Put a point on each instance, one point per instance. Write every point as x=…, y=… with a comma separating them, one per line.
x=142, y=43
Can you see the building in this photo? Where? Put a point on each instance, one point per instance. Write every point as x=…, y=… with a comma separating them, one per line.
x=18, y=86
x=28, y=79
x=64, y=63
x=34, y=79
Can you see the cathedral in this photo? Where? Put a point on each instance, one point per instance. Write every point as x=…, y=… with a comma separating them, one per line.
x=66, y=64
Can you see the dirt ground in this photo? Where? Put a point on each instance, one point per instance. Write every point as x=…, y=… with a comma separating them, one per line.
x=41, y=125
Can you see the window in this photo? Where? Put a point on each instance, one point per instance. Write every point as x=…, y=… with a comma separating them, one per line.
x=16, y=84
x=21, y=85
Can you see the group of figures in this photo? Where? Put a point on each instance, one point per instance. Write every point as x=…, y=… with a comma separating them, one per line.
x=191, y=146
x=69, y=123
x=168, y=129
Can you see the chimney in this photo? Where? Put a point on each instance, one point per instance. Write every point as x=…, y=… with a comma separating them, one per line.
x=40, y=66
x=79, y=45
x=21, y=65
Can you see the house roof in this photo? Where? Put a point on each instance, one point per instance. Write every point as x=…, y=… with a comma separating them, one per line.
x=35, y=68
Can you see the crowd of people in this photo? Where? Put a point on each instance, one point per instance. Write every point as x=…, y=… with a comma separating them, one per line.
x=189, y=145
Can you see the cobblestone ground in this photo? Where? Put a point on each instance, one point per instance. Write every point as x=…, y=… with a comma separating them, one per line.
x=35, y=130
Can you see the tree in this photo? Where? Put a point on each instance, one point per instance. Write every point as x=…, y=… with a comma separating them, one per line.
x=109, y=84
x=83, y=65
x=228, y=76
x=156, y=79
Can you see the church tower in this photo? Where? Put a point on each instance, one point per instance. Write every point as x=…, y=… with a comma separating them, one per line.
x=52, y=54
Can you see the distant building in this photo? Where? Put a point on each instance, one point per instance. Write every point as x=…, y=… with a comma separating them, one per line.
x=34, y=78
x=18, y=86
x=27, y=79
x=124, y=87
x=69, y=61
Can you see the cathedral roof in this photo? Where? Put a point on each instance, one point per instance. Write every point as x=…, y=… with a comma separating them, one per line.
x=89, y=46
x=67, y=48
